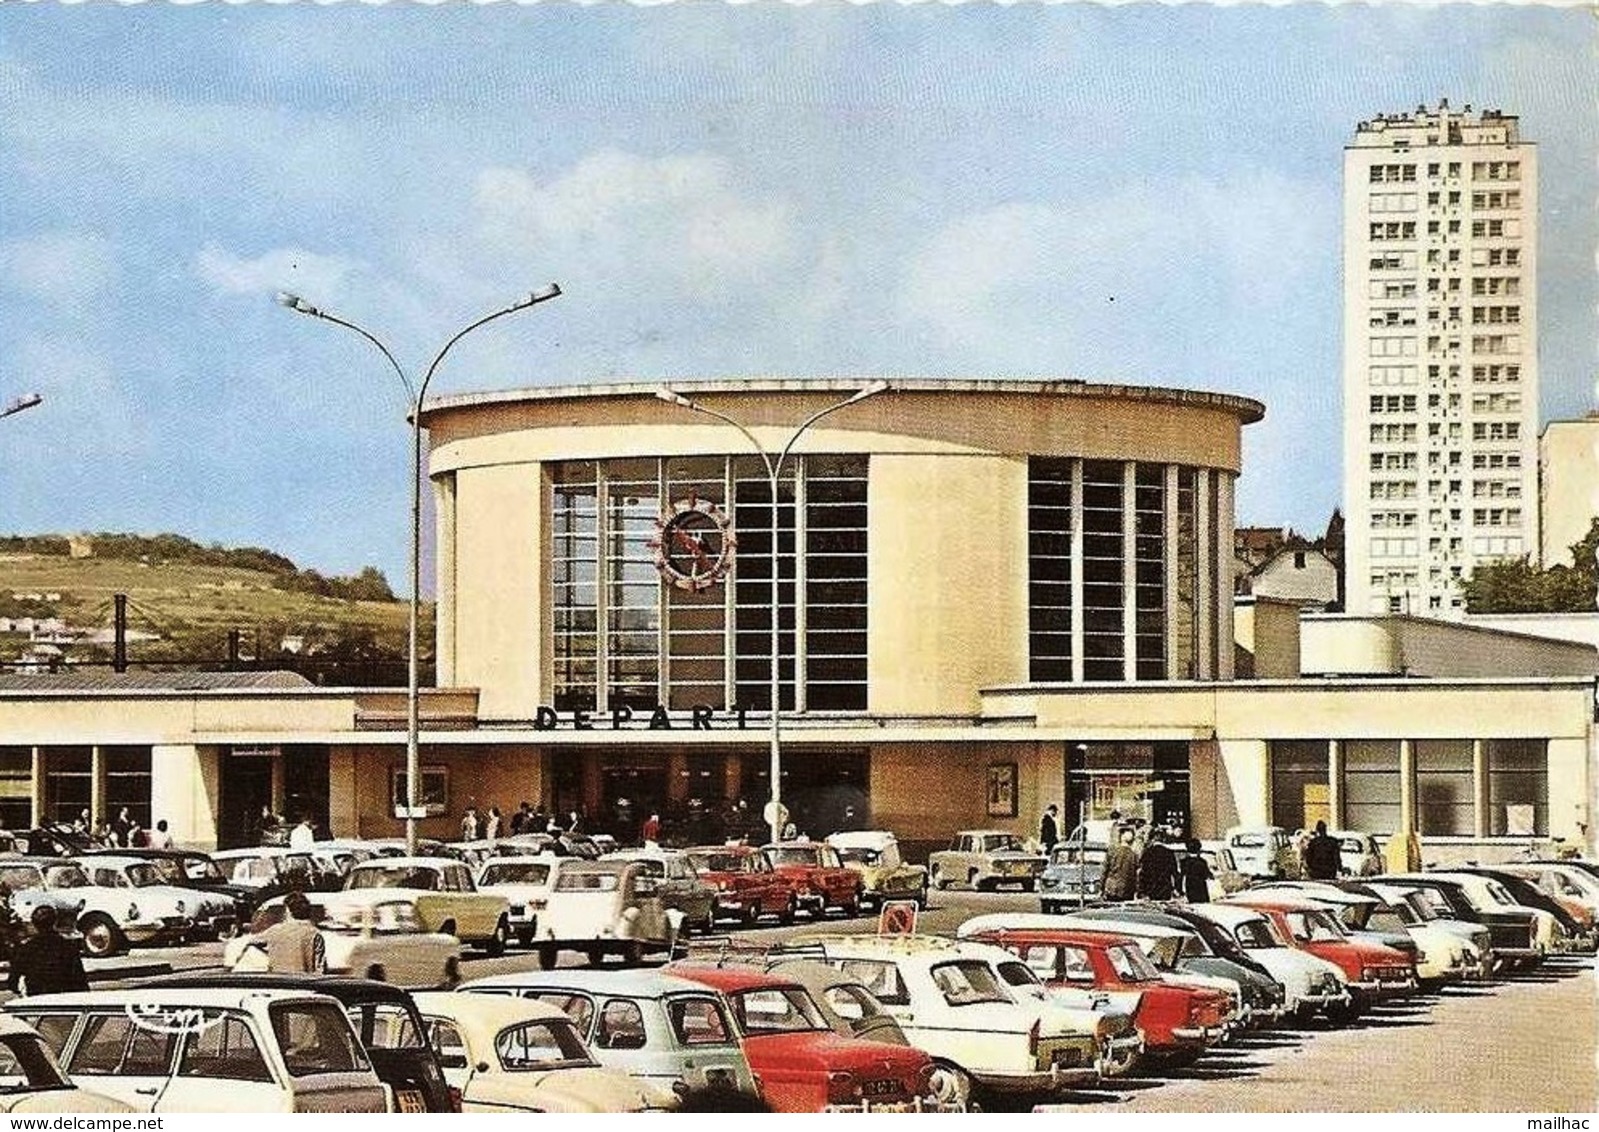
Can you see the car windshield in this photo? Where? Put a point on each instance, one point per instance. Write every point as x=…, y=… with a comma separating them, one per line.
x=515, y=872
x=1255, y=935
x=167, y=869
x=144, y=874
x=26, y=1065
x=18, y=877
x=967, y=982
x=1130, y=963
x=720, y=862
x=201, y=868
x=65, y=876
x=699, y=1021
x=1071, y=852
x=1249, y=841
x=1314, y=927
x=585, y=880
x=880, y=977
x=392, y=876
x=791, y=857
x=1000, y=842
x=859, y=856
x=550, y=1043
x=1419, y=906
x=776, y=1010
x=1499, y=892
x=1015, y=973
x=316, y=1038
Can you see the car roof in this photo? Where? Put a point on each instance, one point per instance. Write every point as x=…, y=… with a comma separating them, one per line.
x=350, y=991
x=486, y=1014
x=861, y=839
x=986, y=833
x=642, y=983
x=734, y=978
x=112, y=859
x=734, y=848
x=1277, y=898
x=409, y=863
x=1134, y=928
x=213, y=992
x=921, y=947
x=1230, y=914
x=796, y=843
x=257, y=851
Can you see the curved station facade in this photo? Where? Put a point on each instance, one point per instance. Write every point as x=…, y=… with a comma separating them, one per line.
x=989, y=596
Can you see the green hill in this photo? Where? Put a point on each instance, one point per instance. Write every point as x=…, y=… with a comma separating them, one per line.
x=191, y=596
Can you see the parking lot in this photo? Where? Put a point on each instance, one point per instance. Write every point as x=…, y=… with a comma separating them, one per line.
x=1522, y=1043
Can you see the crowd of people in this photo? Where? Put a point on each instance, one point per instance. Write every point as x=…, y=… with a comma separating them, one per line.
x=1142, y=861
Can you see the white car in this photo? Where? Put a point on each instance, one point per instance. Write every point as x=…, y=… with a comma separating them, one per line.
x=33, y=881
x=1358, y=854
x=1441, y=956
x=1311, y=984
x=1265, y=852
x=209, y=1049
x=267, y=866
x=117, y=914
x=983, y=1027
x=31, y=1080
x=214, y=915
x=371, y=934
x=1490, y=895
x=515, y=1055
x=525, y=883
x=606, y=908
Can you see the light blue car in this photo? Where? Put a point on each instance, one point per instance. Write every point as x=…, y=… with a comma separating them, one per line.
x=659, y=1028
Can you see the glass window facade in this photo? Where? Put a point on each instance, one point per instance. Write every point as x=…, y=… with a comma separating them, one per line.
x=1518, y=787
x=1445, y=806
x=16, y=787
x=1371, y=785
x=1299, y=784
x=1117, y=559
x=622, y=638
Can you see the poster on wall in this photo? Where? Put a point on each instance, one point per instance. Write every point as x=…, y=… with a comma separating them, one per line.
x=1001, y=790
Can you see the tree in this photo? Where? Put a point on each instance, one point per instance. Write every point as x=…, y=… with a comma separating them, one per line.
x=1519, y=587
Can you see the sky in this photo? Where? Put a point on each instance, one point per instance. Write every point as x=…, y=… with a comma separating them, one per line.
x=1141, y=194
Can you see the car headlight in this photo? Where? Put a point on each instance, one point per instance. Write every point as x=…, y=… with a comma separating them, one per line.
x=133, y=911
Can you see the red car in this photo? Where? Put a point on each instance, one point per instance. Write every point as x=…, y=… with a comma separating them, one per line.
x=820, y=879
x=1179, y=1023
x=747, y=887
x=801, y=1063
x=1374, y=972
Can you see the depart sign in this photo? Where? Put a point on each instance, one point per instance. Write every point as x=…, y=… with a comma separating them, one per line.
x=700, y=717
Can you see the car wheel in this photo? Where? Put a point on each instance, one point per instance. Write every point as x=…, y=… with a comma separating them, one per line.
x=1341, y=1015
x=939, y=879
x=596, y=956
x=752, y=913
x=634, y=955
x=494, y=946
x=101, y=937
x=852, y=907
x=952, y=1086
x=786, y=916
x=548, y=955
x=376, y=972
x=448, y=928
x=972, y=882
x=525, y=939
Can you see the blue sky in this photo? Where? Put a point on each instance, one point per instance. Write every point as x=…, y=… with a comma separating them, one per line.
x=1138, y=193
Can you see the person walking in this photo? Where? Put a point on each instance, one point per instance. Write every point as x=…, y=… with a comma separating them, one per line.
x=1121, y=868
x=1048, y=831
x=294, y=946
x=1196, y=874
x=46, y=961
x=1321, y=857
x=469, y=824
x=520, y=819
x=162, y=838
x=1157, y=871
x=651, y=832
x=302, y=836
x=491, y=827
x=122, y=826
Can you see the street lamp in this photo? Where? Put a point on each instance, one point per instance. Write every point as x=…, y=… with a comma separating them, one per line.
x=27, y=401
x=774, y=472
x=413, y=759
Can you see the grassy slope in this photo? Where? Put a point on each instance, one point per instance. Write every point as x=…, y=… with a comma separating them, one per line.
x=192, y=607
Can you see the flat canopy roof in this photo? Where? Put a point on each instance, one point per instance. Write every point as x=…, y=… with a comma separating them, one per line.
x=1246, y=409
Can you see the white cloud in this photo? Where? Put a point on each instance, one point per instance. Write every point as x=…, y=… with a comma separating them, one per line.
x=674, y=221
x=60, y=268
x=282, y=269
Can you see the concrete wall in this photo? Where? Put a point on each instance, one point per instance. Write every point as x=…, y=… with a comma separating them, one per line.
x=185, y=790
x=1416, y=646
x=1568, y=485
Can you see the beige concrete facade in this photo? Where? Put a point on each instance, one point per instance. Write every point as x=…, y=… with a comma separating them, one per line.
x=1568, y=486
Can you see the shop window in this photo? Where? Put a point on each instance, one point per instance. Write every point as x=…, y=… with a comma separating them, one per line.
x=68, y=778
x=1518, y=787
x=1444, y=791
x=16, y=787
x=1299, y=792
x=127, y=782
x=1371, y=785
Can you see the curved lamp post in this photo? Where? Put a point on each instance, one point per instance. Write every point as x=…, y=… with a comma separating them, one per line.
x=415, y=394
x=774, y=472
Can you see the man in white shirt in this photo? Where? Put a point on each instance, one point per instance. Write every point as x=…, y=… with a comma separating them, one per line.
x=302, y=836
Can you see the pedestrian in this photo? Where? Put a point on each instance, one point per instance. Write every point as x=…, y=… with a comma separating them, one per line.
x=294, y=945
x=1048, y=832
x=121, y=827
x=303, y=836
x=83, y=824
x=652, y=831
x=1121, y=868
x=138, y=837
x=573, y=822
x=1320, y=855
x=539, y=822
x=1157, y=871
x=46, y=961
x=162, y=838
x=519, y=820
x=1196, y=874
x=469, y=824
x=491, y=827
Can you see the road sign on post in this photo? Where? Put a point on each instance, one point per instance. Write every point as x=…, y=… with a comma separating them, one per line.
x=898, y=917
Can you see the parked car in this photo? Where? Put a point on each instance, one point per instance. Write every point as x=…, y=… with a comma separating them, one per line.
x=1373, y=972
x=1572, y=929
x=1358, y=854
x=818, y=876
x=446, y=899
x=190, y=868
x=680, y=886
x=669, y=1031
x=1414, y=908
x=984, y=1034
x=1074, y=874
x=1574, y=887
x=211, y=915
x=1225, y=876
x=370, y=934
x=1311, y=985
x=115, y=917
x=1514, y=931
x=1264, y=852
x=1203, y=950
x=746, y=886
x=386, y=1022
x=846, y=1002
x=605, y=908
x=1439, y=956
x=32, y=881
x=32, y=1081
x=1178, y=1023
x=514, y=1055
x=271, y=870
x=803, y=1066
x=525, y=883
x=884, y=872
x=986, y=858
x=213, y=1049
